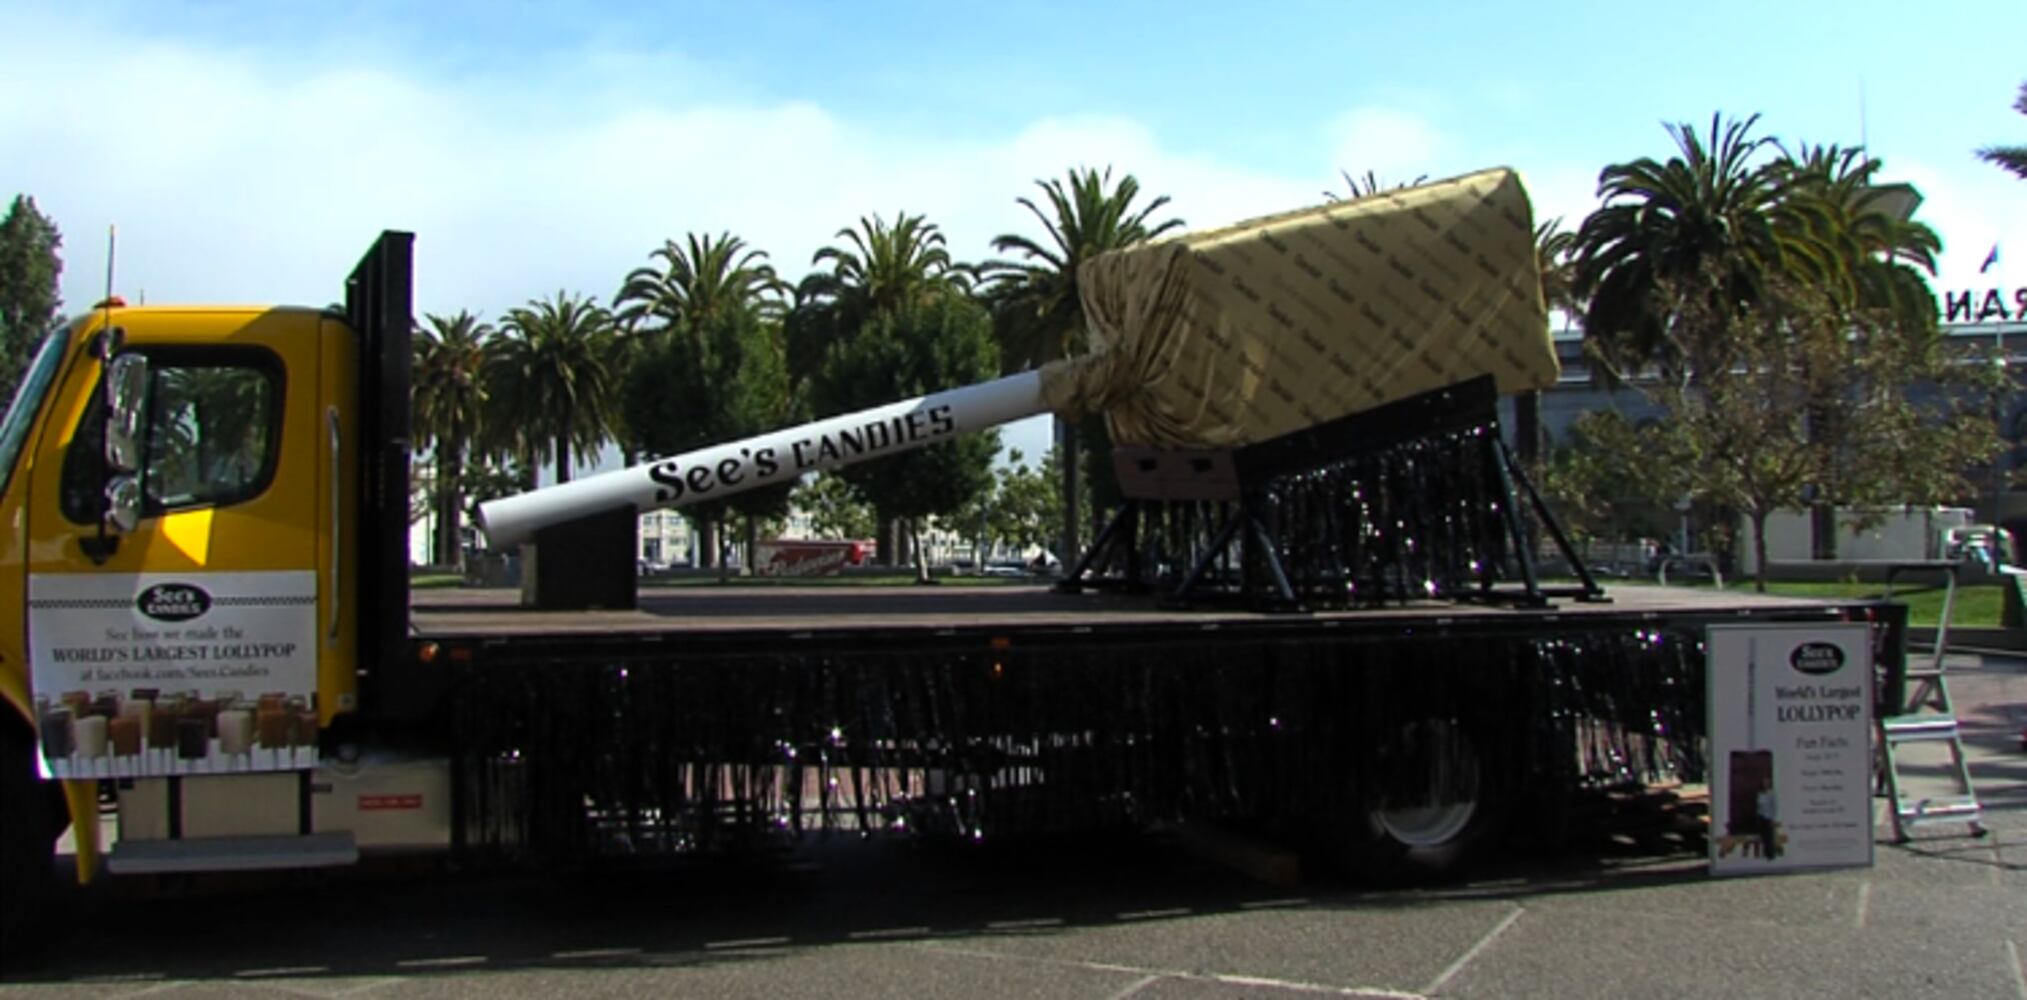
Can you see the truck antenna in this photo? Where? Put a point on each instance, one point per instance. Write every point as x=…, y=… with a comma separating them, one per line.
x=1864, y=141
x=108, y=337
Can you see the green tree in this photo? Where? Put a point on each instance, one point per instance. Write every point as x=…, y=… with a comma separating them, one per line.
x=1367, y=186
x=701, y=288
x=699, y=281
x=1037, y=304
x=487, y=479
x=2010, y=158
x=881, y=268
x=1879, y=257
x=722, y=377
x=835, y=508
x=1030, y=503
x=1553, y=250
x=1016, y=512
x=874, y=270
x=1879, y=260
x=550, y=381
x=908, y=350
x=1744, y=437
x=29, y=295
x=1605, y=481
x=1707, y=225
x=449, y=393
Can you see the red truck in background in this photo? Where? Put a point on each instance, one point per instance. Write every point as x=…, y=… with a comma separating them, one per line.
x=807, y=556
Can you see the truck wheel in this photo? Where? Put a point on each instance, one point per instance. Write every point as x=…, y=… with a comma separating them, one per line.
x=1439, y=808
x=28, y=832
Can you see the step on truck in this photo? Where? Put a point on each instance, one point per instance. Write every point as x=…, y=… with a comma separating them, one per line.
x=1316, y=617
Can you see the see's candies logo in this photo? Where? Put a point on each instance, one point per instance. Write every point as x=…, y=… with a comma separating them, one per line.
x=1817, y=658
x=173, y=602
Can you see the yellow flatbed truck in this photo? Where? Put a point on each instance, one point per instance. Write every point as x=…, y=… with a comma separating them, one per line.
x=209, y=633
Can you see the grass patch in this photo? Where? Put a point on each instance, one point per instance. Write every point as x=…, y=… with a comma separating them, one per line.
x=898, y=578
x=1978, y=604
x=432, y=581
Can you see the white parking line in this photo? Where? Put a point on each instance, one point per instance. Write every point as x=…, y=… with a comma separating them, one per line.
x=766, y=942
x=162, y=987
x=370, y=984
x=1301, y=987
x=1022, y=925
x=291, y=970
x=2019, y=975
x=1864, y=904
x=1173, y=911
x=1139, y=984
x=587, y=953
x=888, y=932
x=1465, y=959
x=1152, y=975
x=450, y=962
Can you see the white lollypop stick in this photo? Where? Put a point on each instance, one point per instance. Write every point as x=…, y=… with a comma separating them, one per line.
x=775, y=457
x=90, y=733
x=235, y=730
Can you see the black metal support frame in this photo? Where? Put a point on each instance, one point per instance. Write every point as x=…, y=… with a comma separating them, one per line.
x=379, y=309
x=991, y=730
x=1117, y=543
x=1460, y=420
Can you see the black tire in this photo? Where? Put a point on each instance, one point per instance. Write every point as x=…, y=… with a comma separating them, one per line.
x=1443, y=803
x=31, y=813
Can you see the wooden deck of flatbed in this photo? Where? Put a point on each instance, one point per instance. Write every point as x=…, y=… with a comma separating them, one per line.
x=719, y=612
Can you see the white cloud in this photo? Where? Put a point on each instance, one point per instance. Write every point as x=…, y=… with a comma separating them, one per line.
x=233, y=178
x=1972, y=206
x=1561, y=191
x=1396, y=146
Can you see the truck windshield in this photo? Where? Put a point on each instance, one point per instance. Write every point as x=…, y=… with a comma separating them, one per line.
x=27, y=400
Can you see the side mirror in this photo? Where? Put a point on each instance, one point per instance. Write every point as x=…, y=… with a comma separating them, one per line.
x=123, y=504
x=126, y=402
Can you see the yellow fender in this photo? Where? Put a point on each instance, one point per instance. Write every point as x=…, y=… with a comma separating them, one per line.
x=83, y=799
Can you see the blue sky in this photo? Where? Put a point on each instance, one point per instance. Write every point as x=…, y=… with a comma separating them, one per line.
x=248, y=151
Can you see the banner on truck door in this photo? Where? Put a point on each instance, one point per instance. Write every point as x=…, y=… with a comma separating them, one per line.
x=173, y=673
x=1790, y=747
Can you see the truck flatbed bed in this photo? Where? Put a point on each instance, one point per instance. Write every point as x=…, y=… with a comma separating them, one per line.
x=723, y=612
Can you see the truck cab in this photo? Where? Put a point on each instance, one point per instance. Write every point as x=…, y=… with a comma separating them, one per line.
x=188, y=502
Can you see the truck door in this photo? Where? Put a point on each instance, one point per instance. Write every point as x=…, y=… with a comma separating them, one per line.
x=189, y=644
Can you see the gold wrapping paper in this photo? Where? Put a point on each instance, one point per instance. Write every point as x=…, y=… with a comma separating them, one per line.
x=1224, y=338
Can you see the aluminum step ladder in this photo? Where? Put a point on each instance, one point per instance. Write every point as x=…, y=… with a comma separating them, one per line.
x=1921, y=714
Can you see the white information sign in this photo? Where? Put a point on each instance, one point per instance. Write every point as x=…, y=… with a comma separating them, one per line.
x=1790, y=747
x=138, y=675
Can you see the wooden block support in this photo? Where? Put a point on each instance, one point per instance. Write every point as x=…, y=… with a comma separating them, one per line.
x=589, y=563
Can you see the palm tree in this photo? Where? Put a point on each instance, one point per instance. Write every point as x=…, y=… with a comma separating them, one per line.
x=1554, y=255
x=873, y=270
x=551, y=381
x=1878, y=261
x=879, y=268
x=1553, y=246
x=699, y=281
x=1037, y=305
x=449, y=392
x=2012, y=158
x=1369, y=185
x=1877, y=251
x=1708, y=222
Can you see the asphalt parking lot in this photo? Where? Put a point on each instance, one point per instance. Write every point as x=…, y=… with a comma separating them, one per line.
x=1614, y=915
